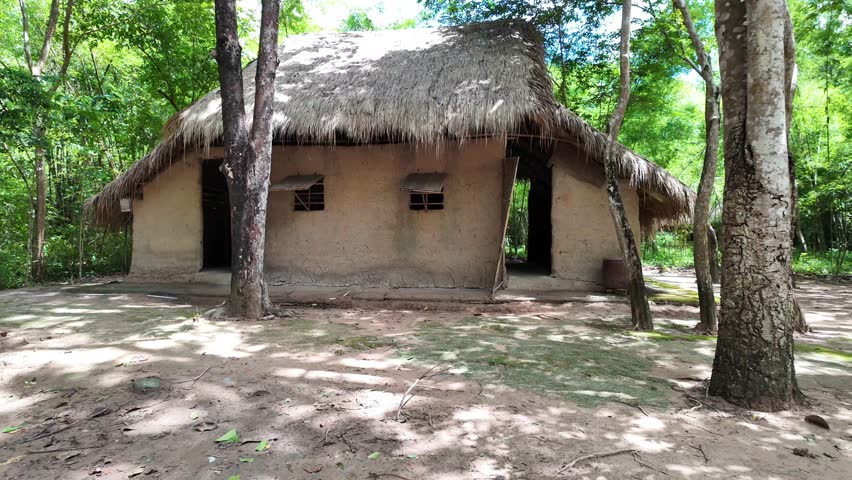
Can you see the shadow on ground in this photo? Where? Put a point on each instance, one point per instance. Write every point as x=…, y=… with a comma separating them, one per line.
x=524, y=389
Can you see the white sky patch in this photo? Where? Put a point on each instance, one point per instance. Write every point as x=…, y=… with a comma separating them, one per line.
x=328, y=15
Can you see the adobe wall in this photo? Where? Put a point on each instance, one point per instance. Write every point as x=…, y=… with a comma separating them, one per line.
x=583, y=230
x=167, y=222
x=368, y=236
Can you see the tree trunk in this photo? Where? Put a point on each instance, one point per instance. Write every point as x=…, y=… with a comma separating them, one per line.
x=247, y=154
x=40, y=213
x=701, y=216
x=713, y=241
x=36, y=67
x=640, y=311
x=753, y=366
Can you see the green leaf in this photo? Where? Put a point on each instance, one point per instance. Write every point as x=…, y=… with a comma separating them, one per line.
x=263, y=445
x=411, y=456
x=234, y=477
x=230, y=437
x=374, y=455
x=247, y=460
x=12, y=429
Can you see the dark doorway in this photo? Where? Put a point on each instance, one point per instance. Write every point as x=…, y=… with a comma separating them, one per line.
x=530, y=232
x=216, y=209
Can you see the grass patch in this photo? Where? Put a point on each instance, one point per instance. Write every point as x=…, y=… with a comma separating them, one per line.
x=656, y=335
x=367, y=342
x=838, y=354
x=829, y=263
x=309, y=334
x=672, y=293
x=799, y=347
x=545, y=359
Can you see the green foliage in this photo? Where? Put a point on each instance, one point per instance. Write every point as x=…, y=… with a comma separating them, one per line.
x=821, y=130
x=517, y=231
x=833, y=262
x=357, y=21
x=133, y=65
x=668, y=250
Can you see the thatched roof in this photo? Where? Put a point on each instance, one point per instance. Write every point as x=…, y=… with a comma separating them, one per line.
x=421, y=86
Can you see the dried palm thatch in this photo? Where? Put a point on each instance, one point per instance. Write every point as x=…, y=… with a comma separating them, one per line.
x=419, y=86
x=663, y=198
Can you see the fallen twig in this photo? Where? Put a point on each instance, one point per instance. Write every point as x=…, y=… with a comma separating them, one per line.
x=636, y=458
x=347, y=442
x=700, y=448
x=427, y=374
x=634, y=405
x=702, y=428
x=193, y=380
x=100, y=412
x=60, y=450
x=325, y=438
x=380, y=475
x=594, y=455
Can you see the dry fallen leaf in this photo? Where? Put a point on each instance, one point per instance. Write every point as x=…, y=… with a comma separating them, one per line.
x=205, y=426
x=818, y=421
x=12, y=460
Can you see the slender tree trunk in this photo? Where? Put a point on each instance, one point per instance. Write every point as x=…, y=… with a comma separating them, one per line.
x=701, y=216
x=640, y=311
x=40, y=214
x=753, y=366
x=36, y=67
x=713, y=241
x=247, y=153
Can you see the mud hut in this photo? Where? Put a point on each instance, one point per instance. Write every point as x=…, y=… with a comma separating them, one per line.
x=394, y=159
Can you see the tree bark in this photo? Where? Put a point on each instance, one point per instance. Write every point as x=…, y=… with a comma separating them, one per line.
x=247, y=153
x=640, y=311
x=37, y=269
x=701, y=215
x=713, y=241
x=753, y=366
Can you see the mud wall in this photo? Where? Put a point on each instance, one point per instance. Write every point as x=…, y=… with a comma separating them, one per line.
x=167, y=222
x=583, y=230
x=368, y=236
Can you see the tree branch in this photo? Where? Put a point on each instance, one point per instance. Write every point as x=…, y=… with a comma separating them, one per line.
x=52, y=20
x=706, y=70
x=267, y=64
x=25, y=21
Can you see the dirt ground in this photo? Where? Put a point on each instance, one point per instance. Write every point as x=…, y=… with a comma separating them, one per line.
x=510, y=391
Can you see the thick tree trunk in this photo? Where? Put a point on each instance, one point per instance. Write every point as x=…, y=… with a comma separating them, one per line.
x=247, y=154
x=701, y=216
x=641, y=312
x=753, y=366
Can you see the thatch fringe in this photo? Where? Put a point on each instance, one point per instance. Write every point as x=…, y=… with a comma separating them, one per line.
x=663, y=198
x=420, y=86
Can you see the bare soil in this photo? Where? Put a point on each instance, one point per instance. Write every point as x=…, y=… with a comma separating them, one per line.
x=515, y=391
